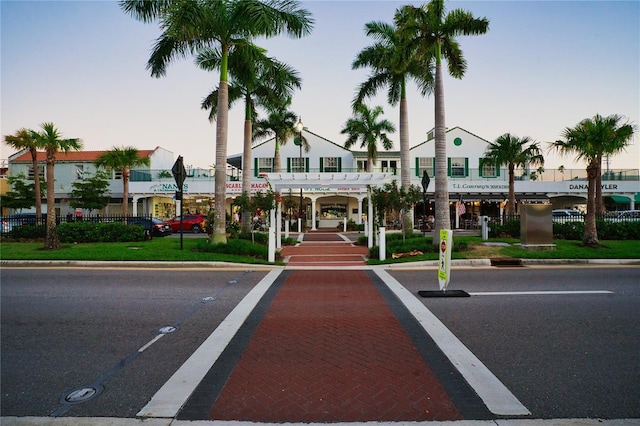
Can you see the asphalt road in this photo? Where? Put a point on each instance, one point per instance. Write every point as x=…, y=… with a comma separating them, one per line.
x=562, y=355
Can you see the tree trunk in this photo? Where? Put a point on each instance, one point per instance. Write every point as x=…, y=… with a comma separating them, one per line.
x=511, y=207
x=36, y=184
x=405, y=162
x=247, y=169
x=443, y=220
x=599, y=202
x=219, y=234
x=590, y=237
x=51, y=241
x=125, y=193
x=277, y=163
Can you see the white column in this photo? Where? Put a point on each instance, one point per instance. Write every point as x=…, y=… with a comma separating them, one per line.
x=360, y=211
x=278, y=225
x=382, y=245
x=370, y=220
x=313, y=213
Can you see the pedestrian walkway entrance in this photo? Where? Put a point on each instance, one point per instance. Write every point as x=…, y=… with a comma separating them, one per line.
x=325, y=249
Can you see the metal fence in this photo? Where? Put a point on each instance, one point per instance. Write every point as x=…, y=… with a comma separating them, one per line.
x=30, y=219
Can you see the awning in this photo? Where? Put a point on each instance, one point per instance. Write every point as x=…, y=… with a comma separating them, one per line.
x=621, y=199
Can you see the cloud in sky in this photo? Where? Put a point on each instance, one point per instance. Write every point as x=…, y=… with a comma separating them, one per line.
x=543, y=66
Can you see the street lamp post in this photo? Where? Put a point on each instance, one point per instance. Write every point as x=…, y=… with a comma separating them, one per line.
x=298, y=128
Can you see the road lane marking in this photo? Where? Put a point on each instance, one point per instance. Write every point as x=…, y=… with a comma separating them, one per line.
x=495, y=395
x=175, y=392
x=529, y=293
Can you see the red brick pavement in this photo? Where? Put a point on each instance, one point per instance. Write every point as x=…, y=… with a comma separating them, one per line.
x=330, y=349
x=324, y=249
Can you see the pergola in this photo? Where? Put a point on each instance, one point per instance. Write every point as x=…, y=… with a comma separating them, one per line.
x=326, y=182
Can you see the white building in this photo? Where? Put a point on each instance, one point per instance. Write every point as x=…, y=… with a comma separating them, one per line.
x=331, y=180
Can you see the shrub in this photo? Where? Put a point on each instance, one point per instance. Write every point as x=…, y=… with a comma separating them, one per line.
x=89, y=232
x=235, y=246
x=509, y=228
x=28, y=232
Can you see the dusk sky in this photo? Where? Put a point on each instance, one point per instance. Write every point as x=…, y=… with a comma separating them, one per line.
x=543, y=66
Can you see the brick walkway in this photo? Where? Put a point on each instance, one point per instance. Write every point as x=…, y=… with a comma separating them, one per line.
x=331, y=346
x=326, y=249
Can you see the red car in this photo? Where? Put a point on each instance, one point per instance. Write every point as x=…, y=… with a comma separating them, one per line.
x=190, y=222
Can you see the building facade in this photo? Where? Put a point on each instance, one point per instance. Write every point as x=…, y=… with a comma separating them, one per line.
x=332, y=183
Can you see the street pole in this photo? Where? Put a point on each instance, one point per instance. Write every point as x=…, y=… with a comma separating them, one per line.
x=299, y=128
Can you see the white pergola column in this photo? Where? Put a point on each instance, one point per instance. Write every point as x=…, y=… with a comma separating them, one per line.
x=278, y=224
x=313, y=213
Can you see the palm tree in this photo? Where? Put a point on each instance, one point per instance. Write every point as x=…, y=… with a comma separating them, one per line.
x=392, y=65
x=365, y=126
x=280, y=123
x=427, y=29
x=24, y=139
x=259, y=81
x=590, y=139
x=512, y=151
x=122, y=159
x=190, y=26
x=50, y=139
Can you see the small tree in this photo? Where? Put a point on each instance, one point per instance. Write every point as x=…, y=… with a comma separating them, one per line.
x=22, y=194
x=391, y=198
x=91, y=192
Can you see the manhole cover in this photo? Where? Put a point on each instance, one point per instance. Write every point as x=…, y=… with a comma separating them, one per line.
x=82, y=394
x=166, y=330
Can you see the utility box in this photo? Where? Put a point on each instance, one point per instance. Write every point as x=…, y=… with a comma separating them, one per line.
x=536, y=227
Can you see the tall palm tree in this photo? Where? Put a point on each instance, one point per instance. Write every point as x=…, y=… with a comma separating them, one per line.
x=258, y=80
x=365, y=126
x=50, y=139
x=590, y=139
x=280, y=123
x=190, y=26
x=391, y=66
x=427, y=30
x=24, y=139
x=512, y=151
x=122, y=159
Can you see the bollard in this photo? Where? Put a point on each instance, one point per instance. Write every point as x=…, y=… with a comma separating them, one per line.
x=299, y=224
x=272, y=244
x=382, y=243
x=286, y=228
x=485, y=227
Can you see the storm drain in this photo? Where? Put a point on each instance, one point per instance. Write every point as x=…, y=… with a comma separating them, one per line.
x=82, y=394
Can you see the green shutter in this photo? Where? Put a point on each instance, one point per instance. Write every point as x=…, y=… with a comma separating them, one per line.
x=466, y=166
x=449, y=166
x=497, y=171
x=306, y=164
x=288, y=164
x=417, y=167
x=339, y=164
x=321, y=164
x=255, y=167
x=480, y=165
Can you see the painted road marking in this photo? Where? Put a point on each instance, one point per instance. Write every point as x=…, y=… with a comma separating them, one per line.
x=529, y=293
x=495, y=395
x=175, y=392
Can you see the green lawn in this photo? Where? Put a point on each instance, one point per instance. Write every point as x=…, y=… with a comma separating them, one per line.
x=168, y=249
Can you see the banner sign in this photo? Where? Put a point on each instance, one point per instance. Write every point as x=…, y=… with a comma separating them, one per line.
x=444, y=268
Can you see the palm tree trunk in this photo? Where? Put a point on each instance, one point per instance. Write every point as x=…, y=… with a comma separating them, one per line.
x=405, y=166
x=590, y=237
x=51, y=241
x=277, y=164
x=511, y=207
x=599, y=203
x=219, y=223
x=443, y=220
x=247, y=169
x=125, y=194
x=36, y=183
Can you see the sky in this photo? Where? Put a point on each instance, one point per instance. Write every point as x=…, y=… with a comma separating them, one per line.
x=543, y=66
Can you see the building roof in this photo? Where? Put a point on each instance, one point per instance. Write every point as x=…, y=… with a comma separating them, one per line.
x=72, y=156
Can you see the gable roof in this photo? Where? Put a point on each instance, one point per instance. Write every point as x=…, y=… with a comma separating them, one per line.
x=450, y=130
x=73, y=156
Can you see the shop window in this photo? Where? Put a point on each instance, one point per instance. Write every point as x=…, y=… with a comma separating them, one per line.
x=333, y=211
x=425, y=163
